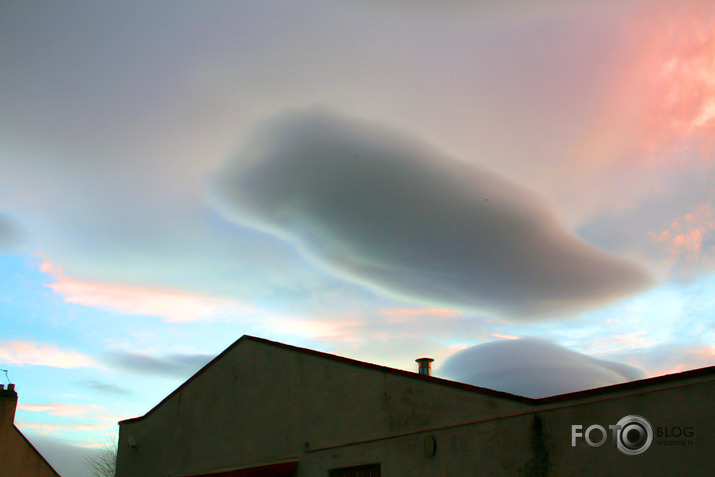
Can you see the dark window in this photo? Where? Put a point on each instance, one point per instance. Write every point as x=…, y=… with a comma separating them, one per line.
x=370, y=470
x=284, y=469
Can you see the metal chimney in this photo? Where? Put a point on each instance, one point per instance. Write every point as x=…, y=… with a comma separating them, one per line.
x=425, y=366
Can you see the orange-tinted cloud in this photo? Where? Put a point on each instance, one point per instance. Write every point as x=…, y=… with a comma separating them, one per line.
x=667, y=87
x=322, y=329
x=408, y=313
x=692, y=359
x=60, y=428
x=30, y=353
x=61, y=409
x=173, y=305
x=617, y=343
x=504, y=337
x=685, y=238
x=668, y=358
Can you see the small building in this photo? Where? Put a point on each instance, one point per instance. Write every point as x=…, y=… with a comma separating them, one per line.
x=263, y=408
x=18, y=457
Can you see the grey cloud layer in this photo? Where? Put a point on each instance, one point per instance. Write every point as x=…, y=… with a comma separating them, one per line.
x=174, y=366
x=104, y=388
x=688, y=200
x=390, y=212
x=67, y=459
x=534, y=368
x=10, y=236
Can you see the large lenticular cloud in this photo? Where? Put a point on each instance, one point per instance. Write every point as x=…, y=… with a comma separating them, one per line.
x=390, y=212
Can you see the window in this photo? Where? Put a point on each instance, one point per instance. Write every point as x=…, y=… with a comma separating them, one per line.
x=370, y=470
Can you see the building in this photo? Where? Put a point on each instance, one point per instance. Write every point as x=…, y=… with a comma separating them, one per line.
x=17, y=456
x=268, y=409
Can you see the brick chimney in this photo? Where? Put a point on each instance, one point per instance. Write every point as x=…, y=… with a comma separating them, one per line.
x=8, y=403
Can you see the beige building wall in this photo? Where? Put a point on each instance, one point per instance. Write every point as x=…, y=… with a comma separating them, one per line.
x=17, y=456
x=261, y=402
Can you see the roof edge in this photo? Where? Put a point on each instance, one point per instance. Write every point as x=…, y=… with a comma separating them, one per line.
x=332, y=357
x=435, y=380
x=39, y=454
x=655, y=380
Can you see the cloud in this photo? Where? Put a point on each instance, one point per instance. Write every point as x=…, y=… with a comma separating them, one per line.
x=59, y=428
x=10, y=235
x=534, y=368
x=388, y=336
x=85, y=425
x=67, y=459
x=61, y=409
x=390, y=212
x=30, y=353
x=174, y=365
x=173, y=305
x=407, y=313
x=673, y=230
x=367, y=328
x=668, y=358
x=104, y=388
x=679, y=68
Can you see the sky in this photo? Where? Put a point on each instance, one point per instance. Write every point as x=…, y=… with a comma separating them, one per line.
x=520, y=191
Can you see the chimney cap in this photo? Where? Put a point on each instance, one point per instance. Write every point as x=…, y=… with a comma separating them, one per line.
x=425, y=368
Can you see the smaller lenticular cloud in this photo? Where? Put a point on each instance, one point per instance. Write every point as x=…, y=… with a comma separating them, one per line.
x=385, y=210
x=533, y=368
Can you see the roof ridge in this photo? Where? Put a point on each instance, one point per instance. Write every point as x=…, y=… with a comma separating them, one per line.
x=440, y=381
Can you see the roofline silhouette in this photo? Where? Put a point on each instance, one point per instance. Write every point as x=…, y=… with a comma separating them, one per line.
x=443, y=382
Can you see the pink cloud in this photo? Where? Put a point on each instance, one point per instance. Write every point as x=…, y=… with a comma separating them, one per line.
x=676, y=72
x=90, y=418
x=22, y=353
x=60, y=428
x=61, y=409
x=691, y=359
x=657, y=112
x=504, y=337
x=173, y=305
x=622, y=342
x=684, y=239
x=669, y=359
x=328, y=330
x=408, y=313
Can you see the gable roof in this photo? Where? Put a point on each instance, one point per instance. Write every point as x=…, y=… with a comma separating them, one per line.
x=641, y=383
x=10, y=393
x=34, y=449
